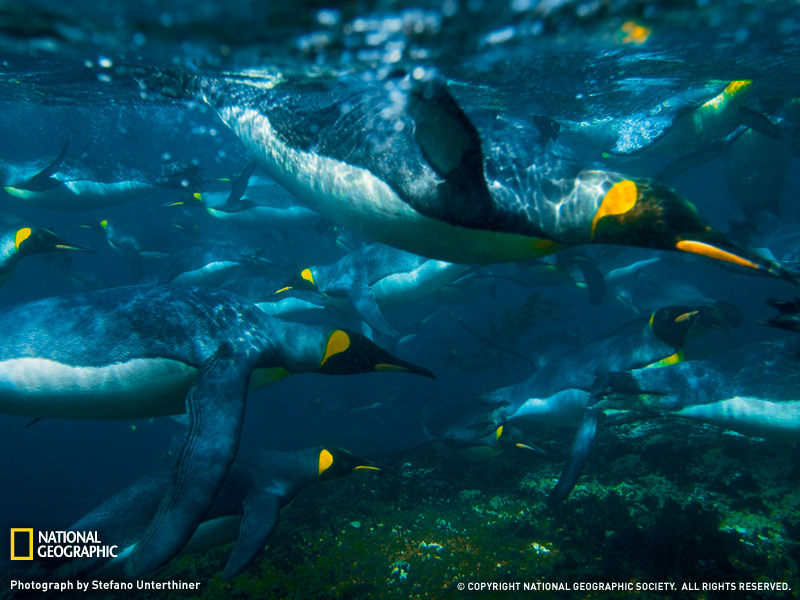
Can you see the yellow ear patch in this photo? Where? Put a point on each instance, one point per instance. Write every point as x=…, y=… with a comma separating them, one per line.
x=325, y=461
x=635, y=33
x=618, y=200
x=103, y=223
x=306, y=274
x=198, y=196
x=338, y=342
x=499, y=432
x=714, y=252
x=22, y=235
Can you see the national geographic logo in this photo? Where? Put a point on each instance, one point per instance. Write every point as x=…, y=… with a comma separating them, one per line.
x=21, y=544
x=58, y=544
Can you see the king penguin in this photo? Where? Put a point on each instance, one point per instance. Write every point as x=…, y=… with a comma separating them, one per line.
x=559, y=391
x=144, y=351
x=63, y=191
x=19, y=240
x=245, y=510
x=375, y=277
x=262, y=205
x=399, y=161
x=753, y=389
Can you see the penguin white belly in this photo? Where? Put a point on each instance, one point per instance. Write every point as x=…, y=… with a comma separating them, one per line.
x=428, y=278
x=142, y=387
x=751, y=416
x=212, y=533
x=83, y=195
x=562, y=409
x=213, y=274
x=354, y=197
x=266, y=217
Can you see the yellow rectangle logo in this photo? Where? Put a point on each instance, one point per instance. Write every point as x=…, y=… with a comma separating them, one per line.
x=14, y=533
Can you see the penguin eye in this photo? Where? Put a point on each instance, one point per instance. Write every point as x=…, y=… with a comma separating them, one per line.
x=325, y=461
x=22, y=235
x=338, y=342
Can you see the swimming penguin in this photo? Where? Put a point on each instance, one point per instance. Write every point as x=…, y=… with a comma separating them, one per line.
x=691, y=121
x=754, y=390
x=145, y=351
x=376, y=277
x=31, y=174
x=449, y=430
x=210, y=265
x=18, y=240
x=261, y=205
x=124, y=240
x=559, y=391
x=399, y=161
x=245, y=510
x=74, y=192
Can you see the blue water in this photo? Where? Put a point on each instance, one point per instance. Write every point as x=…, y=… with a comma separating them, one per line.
x=76, y=72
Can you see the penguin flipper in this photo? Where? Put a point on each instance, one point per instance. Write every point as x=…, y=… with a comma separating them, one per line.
x=215, y=404
x=758, y=122
x=595, y=284
x=451, y=145
x=261, y=512
x=363, y=299
x=240, y=185
x=43, y=180
x=578, y=455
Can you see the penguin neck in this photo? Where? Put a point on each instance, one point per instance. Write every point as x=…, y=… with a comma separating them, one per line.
x=300, y=347
x=653, y=349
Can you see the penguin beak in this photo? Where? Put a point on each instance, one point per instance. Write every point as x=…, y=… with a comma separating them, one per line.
x=404, y=366
x=285, y=288
x=720, y=248
x=76, y=247
x=657, y=216
x=687, y=316
x=370, y=465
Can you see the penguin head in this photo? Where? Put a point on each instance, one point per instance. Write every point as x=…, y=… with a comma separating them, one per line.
x=347, y=353
x=646, y=213
x=510, y=437
x=303, y=281
x=336, y=462
x=671, y=324
x=36, y=240
x=96, y=226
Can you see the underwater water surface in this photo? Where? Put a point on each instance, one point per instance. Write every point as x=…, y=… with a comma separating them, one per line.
x=704, y=96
